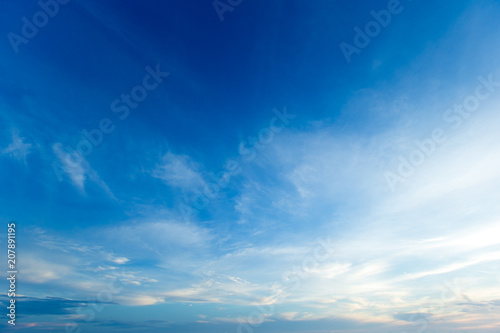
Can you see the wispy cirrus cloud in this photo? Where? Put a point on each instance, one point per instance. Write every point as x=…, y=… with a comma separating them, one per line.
x=179, y=171
x=18, y=148
x=77, y=168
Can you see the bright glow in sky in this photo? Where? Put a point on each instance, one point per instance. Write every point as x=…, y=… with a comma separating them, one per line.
x=251, y=166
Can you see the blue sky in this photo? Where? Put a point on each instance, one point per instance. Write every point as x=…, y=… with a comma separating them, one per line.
x=224, y=166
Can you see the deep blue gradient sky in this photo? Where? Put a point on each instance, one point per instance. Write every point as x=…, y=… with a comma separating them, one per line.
x=256, y=144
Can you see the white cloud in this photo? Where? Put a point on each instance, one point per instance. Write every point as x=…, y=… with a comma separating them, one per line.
x=38, y=270
x=78, y=169
x=161, y=235
x=17, y=149
x=120, y=260
x=393, y=250
x=138, y=300
x=179, y=171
